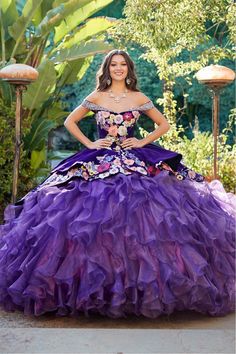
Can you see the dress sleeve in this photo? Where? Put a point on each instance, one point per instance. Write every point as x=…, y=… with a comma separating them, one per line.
x=146, y=106
x=90, y=105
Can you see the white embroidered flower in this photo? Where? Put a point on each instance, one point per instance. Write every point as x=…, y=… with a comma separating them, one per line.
x=179, y=177
x=105, y=114
x=136, y=114
x=104, y=174
x=142, y=170
x=122, y=130
x=118, y=119
x=114, y=170
x=110, y=138
x=101, y=120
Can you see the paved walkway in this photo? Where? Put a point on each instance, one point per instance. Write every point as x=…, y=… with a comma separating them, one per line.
x=183, y=332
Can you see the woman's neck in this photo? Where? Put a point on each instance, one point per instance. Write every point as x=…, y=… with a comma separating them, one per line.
x=118, y=87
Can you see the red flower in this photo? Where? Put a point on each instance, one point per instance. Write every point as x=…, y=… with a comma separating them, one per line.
x=153, y=171
x=103, y=167
x=128, y=116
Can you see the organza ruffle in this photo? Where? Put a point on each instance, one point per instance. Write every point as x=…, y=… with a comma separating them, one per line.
x=123, y=245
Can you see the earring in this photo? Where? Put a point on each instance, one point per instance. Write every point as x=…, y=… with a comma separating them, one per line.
x=108, y=82
x=128, y=81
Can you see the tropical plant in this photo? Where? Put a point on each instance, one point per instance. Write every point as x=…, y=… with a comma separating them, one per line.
x=59, y=39
x=197, y=152
x=202, y=30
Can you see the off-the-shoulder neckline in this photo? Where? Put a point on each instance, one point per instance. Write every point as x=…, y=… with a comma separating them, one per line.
x=110, y=111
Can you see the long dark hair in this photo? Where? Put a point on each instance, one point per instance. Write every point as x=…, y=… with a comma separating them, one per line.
x=103, y=73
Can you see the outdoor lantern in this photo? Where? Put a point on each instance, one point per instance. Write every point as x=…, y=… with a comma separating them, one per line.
x=215, y=77
x=20, y=75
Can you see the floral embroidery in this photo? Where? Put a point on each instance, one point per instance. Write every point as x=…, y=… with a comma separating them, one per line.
x=182, y=172
x=124, y=162
x=116, y=124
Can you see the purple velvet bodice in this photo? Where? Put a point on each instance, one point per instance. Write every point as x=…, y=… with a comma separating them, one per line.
x=116, y=126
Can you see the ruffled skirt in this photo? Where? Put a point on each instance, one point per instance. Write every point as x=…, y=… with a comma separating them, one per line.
x=126, y=244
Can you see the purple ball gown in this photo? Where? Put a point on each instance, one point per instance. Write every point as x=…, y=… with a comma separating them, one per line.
x=117, y=231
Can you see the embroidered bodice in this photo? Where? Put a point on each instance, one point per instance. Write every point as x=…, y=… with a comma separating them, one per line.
x=116, y=126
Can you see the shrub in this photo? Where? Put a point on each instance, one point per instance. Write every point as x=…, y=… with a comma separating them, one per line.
x=198, y=152
x=7, y=139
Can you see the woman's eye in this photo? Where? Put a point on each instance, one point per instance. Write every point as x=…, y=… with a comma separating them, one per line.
x=121, y=64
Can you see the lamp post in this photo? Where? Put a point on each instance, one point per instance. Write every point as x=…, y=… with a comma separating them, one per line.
x=215, y=77
x=19, y=75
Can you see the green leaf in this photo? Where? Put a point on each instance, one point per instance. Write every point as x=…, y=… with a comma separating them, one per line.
x=36, y=138
x=73, y=71
x=42, y=88
x=56, y=15
x=56, y=114
x=83, y=50
x=6, y=92
x=92, y=27
x=77, y=16
x=37, y=157
x=9, y=15
x=17, y=30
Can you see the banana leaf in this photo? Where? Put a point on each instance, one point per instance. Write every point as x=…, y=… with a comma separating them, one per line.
x=39, y=91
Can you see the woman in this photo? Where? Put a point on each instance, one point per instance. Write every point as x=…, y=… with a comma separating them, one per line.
x=121, y=227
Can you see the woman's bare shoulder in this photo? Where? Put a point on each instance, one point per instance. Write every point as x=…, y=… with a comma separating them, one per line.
x=141, y=98
x=93, y=96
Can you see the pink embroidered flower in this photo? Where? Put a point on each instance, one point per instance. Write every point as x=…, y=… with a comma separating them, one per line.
x=85, y=175
x=105, y=114
x=117, y=162
x=191, y=174
x=113, y=130
x=166, y=167
x=127, y=116
x=129, y=161
x=103, y=167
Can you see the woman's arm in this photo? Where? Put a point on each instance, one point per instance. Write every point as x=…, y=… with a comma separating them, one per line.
x=158, y=118
x=74, y=117
x=70, y=123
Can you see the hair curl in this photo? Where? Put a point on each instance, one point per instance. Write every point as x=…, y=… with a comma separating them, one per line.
x=103, y=73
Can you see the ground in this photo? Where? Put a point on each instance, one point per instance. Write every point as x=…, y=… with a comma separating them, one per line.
x=182, y=332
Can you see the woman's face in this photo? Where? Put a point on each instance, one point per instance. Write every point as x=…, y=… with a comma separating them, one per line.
x=118, y=67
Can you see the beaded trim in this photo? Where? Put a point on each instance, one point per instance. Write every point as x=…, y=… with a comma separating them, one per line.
x=95, y=107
